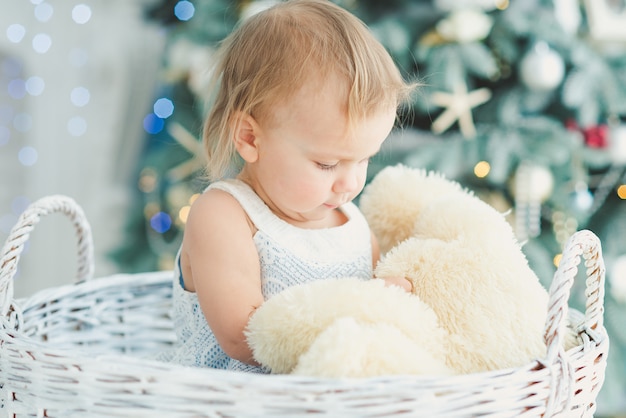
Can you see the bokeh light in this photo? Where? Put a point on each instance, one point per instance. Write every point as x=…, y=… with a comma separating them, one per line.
x=163, y=108
x=43, y=12
x=17, y=88
x=35, y=85
x=81, y=13
x=148, y=180
x=184, y=10
x=16, y=32
x=583, y=199
x=183, y=213
x=23, y=122
x=153, y=124
x=27, y=156
x=80, y=96
x=77, y=126
x=42, y=43
x=12, y=67
x=161, y=222
x=482, y=169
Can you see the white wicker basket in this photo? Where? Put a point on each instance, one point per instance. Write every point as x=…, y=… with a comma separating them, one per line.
x=81, y=350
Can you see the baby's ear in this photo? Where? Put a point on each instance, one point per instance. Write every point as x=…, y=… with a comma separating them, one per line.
x=245, y=130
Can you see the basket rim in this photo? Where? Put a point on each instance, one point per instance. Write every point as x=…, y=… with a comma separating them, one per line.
x=598, y=338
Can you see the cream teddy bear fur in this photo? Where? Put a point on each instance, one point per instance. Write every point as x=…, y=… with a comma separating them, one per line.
x=347, y=327
x=464, y=262
x=476, y=306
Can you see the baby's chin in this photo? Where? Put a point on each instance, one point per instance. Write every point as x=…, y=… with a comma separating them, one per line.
x=323, y=216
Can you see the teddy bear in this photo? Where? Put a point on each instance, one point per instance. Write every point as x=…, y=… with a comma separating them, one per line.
x=475, y=305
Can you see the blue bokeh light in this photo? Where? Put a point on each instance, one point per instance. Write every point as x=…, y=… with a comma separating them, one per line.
x=12, y=67
x=16, y=32
x=81, y=13
x=163, y=108
x=17, y=88
x=184, y=10
x=153, y=124
x=161, y=222
x=27, y=156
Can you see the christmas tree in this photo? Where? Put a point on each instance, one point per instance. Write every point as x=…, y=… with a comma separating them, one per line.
x=523, y=102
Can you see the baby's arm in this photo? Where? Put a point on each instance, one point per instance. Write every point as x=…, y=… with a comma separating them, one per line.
x=403, y=282
x=225, y=269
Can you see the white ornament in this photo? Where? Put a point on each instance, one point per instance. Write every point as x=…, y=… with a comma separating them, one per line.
x=533, y=186
x=606, y=23
x=582, y=198
x=567, y=13
x=542, y=69
x=617, y=144
x=535, y=183
x=465, y=26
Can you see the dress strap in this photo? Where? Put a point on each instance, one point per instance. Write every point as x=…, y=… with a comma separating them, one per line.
x=260, y=215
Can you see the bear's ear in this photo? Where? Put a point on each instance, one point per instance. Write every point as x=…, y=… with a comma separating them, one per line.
x=245, y=136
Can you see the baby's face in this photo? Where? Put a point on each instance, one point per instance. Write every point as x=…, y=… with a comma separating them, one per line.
x=310, y=162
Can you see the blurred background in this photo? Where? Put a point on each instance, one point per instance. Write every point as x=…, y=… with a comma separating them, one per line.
x=523, y=101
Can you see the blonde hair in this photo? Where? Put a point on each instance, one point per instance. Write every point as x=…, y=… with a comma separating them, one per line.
x=273, y=53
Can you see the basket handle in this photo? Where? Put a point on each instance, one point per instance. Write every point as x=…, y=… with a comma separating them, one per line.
x=586, y=244
x=20, y=233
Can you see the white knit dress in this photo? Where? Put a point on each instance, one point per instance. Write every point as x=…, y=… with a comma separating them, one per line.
x=288, y=256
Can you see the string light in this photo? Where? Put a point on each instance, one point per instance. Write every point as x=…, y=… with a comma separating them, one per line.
x=183, y=213
x=17, y=88
x=42, y=43
x=184, y=10
x=27, y=156
x=43, y=12
x=81, y=13
x=35, y=85
x=16, y=32
x=481, y=169
x=161, y=222
x=153, y=124
x=77, y=126
x=163, y=108
x=80, y=96
x=23, y=122
x=502, y=4
x=148, y=180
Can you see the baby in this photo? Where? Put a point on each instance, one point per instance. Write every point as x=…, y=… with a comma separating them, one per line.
x=305, y=96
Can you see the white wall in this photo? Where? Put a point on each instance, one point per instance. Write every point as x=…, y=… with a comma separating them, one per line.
x=116, y=56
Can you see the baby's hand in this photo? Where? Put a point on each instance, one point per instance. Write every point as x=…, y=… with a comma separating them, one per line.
x=402, y=282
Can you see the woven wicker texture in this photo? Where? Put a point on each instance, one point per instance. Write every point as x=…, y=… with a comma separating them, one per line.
x=83, y=350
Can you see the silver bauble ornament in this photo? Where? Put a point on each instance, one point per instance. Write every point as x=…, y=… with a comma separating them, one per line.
x=542, y=68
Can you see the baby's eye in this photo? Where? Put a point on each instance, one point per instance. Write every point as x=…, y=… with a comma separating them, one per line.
x=326, y=166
